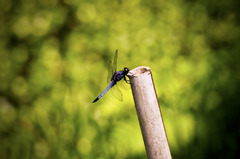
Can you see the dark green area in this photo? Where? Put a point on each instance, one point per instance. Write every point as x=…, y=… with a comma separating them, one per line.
x=54, y=56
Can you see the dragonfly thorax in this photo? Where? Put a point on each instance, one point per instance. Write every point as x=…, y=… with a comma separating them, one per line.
x=118, y=76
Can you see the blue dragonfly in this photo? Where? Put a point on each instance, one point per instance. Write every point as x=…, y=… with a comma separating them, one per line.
x=114, y=76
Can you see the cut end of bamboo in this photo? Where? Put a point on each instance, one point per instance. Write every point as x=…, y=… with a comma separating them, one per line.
x=139, y=70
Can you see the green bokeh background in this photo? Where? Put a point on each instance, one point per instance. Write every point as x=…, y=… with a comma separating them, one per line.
x=53, y=64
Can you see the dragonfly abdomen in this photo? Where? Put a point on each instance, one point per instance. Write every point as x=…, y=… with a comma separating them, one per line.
x=105, y=91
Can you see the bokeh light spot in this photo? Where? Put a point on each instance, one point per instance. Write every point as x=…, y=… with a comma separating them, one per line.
x=84, y=146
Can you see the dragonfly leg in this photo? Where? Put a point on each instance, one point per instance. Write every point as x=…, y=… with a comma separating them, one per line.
x=127, y=81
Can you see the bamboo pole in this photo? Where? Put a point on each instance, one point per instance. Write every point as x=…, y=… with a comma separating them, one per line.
x=149, y=114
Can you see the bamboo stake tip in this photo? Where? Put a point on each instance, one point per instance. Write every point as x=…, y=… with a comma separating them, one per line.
x=139, y=70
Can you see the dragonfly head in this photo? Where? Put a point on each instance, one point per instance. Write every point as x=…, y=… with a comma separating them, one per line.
x=125, y=71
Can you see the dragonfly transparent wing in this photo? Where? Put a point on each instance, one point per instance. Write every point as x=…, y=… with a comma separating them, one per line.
x=112, y=68
x=110, y=72
x=115, y=62
x=117, y=93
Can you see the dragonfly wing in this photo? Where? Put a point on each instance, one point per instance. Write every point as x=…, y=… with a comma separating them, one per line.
x=117, y=92
x=115, y=61
x=110, y=72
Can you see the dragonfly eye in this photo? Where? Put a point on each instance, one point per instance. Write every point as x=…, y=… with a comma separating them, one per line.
x=126, y=70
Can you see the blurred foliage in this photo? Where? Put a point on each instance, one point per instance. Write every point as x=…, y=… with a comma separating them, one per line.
x=54, y=57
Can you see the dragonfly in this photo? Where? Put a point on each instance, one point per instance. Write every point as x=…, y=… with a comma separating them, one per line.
x=114, y=77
